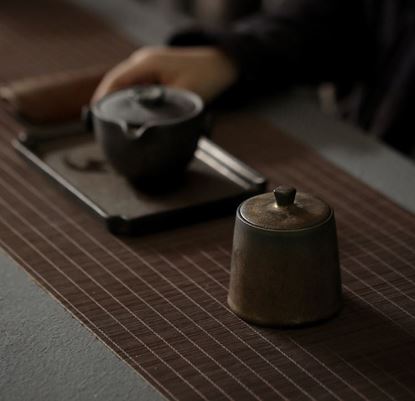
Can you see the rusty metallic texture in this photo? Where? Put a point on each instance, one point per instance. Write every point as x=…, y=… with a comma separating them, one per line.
x=263, y=211
x=282, y=276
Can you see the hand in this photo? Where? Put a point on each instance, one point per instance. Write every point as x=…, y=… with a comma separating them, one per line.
x=204, y=70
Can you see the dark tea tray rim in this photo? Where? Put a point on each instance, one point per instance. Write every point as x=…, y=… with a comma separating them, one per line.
x=248, y=179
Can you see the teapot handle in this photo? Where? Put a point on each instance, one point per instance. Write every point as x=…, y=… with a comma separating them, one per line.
x=207, y=124
x=87, y=118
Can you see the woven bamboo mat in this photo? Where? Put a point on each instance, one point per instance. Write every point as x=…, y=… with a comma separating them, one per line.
x=159, y=301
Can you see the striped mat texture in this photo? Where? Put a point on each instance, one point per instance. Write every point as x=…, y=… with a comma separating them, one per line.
x=159, y=301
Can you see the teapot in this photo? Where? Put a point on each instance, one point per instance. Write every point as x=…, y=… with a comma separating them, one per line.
x=148, y=132
x=285, y=264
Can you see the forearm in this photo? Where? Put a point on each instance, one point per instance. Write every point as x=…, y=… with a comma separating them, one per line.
x=303, y=41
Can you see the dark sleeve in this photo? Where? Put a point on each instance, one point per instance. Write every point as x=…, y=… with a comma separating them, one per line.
x=302, y=41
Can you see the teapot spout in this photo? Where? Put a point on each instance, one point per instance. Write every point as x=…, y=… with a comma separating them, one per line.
x=134, y=132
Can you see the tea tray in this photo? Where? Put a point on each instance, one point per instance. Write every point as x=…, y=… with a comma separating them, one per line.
x=215, y=183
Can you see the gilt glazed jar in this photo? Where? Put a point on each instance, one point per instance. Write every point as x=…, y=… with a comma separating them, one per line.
x=285, y=263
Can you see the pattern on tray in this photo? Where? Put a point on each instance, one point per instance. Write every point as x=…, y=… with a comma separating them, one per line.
x=160, y=301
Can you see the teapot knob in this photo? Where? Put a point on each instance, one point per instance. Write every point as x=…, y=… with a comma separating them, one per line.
x=152, y=96
x=284, y=195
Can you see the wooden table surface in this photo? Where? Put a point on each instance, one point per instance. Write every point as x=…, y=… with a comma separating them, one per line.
x=54, y=365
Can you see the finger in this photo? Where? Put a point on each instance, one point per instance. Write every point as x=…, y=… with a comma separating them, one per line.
x=190, y=85
x=125, y=74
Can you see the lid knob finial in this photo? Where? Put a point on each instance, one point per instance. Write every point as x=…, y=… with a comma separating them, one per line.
x=284, y=195
x=151, y=96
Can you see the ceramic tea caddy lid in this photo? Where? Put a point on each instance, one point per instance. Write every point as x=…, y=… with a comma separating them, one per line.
x=285, y=265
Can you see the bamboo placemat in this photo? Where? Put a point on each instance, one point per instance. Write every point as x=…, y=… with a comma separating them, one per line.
x=159, y=301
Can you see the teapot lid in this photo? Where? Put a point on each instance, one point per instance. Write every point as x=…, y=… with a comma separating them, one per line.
x=284, y=209
x=150, y=104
